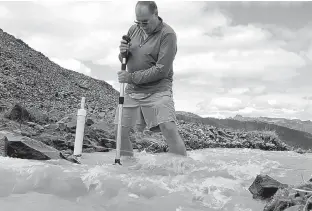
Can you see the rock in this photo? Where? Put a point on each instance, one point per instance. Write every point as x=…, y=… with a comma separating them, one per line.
x=280, y=201
x=106, y=142
x=31, y=124
x=71, y=158
x=89, y=122
x=25, y=133
x=19, y=113
x=27, y=148
x=102, y=125
x=102, y=114
x=265, y=187
x=100, y=149
x=61, y=126
x=295, y=208
x=71, y=127
x=52, y=126
x=39, y=127
x=54, y=141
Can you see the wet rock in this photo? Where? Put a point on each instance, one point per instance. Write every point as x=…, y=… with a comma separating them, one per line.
x=265, y=187
x=107, y=142
x=280, y=197
x=26, y=148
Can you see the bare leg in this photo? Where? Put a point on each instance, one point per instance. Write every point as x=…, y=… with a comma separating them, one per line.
x=126, y=145
x=173, y=138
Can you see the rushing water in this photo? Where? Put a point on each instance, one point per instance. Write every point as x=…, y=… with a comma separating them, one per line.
x=210, y=179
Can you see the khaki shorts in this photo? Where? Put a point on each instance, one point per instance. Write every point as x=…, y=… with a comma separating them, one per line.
x=148, y=112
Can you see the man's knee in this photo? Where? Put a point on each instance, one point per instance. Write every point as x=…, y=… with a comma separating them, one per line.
x=168, y=127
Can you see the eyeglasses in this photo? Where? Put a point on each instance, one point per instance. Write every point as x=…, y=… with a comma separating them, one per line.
x=143, y=23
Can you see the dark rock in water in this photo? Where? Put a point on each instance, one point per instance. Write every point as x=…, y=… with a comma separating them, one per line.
x=279, y=202
x=264, y=187
x=26, y=148
x=71, y=158
x=19, y=113
x=108, y=143
x=282, y=197
x=101, y=149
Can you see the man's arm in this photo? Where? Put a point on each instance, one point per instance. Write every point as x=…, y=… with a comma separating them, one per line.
x=166, y=56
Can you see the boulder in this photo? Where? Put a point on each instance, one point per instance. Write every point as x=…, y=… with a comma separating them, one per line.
x=19, y=113
x=15, y=145
x=264, y=187
x=282, y=197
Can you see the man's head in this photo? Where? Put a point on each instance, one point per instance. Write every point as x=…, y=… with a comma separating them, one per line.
x=146, y=15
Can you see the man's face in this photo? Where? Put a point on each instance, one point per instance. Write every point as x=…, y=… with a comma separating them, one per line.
x=145, y=19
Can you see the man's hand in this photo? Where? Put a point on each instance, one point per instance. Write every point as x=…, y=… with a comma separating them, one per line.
x=124, y=76
x=124, y=46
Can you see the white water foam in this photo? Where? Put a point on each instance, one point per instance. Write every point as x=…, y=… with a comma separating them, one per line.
x=210, y=179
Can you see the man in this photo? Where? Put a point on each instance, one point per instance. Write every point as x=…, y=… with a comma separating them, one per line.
x=148, y=100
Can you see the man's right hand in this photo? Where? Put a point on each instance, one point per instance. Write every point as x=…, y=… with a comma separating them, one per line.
x=124, y=46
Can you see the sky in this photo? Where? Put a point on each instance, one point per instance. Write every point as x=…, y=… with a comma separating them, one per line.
x=248, y=58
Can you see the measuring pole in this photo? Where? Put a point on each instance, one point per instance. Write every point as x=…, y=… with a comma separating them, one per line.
x=120, y=105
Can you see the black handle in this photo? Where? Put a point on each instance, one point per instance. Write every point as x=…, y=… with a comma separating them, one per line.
x=126, y=38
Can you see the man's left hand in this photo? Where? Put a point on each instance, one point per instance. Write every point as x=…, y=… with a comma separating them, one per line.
x=124, y=76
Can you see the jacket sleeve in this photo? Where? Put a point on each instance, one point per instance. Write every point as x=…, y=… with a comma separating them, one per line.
x=167, y=52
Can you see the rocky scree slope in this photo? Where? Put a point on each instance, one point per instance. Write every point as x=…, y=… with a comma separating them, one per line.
x=31, y=79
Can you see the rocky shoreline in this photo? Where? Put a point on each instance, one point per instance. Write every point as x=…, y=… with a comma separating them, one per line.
x=99, y=135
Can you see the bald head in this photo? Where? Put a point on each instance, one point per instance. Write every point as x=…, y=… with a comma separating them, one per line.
x=150, y=5
x=147, y=15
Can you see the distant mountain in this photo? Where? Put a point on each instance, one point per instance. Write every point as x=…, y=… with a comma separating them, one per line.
x=297, y=124
x=188, y=114
x=292, y=137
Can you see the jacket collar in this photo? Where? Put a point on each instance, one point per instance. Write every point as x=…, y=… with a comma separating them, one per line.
x=159, y=26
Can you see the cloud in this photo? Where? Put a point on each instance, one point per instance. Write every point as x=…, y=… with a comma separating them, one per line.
x=4, y=12
x=220, y=104
x=72, y=64
x=309, y=53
